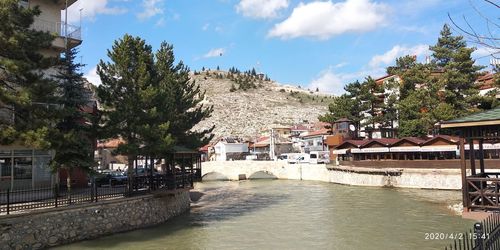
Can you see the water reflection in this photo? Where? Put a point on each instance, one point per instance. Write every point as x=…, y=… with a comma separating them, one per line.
x=298, y=215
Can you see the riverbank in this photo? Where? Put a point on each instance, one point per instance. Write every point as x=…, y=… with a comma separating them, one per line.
x=58, y=226
x=444, y=179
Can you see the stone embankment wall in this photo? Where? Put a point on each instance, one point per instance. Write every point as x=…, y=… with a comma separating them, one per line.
x=406, y=178
x=52, y=227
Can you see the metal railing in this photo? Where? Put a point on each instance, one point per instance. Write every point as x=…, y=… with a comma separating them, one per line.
x=52, y=197
x=484, y=236
x=59, y=28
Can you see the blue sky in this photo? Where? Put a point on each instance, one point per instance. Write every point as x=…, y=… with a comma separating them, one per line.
x=323, y=44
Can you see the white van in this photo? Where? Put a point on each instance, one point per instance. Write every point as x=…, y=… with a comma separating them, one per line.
x=319, y=157
x=298, y=158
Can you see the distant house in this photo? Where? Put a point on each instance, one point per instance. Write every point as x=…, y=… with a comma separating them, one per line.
x=486, y=83
x=105, y=157
x=315, y=140
x=295, y=132
x=278, y=131
x=205, y=152
x=230, y=149
x=263, y=147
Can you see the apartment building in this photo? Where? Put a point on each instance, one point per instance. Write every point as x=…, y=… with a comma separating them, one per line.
x=21, y=167
x=51, y=20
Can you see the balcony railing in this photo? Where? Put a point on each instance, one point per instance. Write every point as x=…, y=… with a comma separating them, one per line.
x=59, y=28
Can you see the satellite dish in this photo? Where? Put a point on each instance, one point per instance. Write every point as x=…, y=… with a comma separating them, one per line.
x=352, y=128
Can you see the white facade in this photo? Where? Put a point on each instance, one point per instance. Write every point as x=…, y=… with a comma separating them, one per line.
x=222, y=149
x=314, y=143
x=388, y=90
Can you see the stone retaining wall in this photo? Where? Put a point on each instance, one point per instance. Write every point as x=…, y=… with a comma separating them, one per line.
x=51, y=227
x=402, y=177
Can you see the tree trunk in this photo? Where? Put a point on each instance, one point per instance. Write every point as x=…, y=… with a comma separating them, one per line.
x=130, y=173
x=68, y=184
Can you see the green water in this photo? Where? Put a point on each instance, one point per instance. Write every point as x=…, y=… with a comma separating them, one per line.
x=299, y=215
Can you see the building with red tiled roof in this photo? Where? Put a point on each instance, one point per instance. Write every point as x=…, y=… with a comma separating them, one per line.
x=314, y=140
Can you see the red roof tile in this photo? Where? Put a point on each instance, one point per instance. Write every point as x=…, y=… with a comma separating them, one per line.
x=317, y=132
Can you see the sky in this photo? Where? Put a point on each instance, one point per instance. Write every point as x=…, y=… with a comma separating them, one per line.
x=313, y=44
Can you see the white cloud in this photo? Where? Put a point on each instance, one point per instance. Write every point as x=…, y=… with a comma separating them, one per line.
x=90, y=9
x=151, y=9
x=93, y=77
x=484, y=52
x=328, y=81
x=261, y=9
x=332, y=82
x=160, y=22
x=398, y=51
x=324, y=19
x=215, y=53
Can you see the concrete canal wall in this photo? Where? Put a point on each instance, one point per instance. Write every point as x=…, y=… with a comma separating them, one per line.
x=51, y=227
x=406, y=178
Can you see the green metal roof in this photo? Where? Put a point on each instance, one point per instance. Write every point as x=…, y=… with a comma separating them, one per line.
x=476, y=118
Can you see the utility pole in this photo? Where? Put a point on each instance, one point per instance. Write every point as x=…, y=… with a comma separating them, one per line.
x=271, y=145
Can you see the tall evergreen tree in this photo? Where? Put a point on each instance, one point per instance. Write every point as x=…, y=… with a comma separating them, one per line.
x=446, y=47
x=349, y=105
x=340, y=107
x=72, y=140
x=126, y=82
x=26, y=93
x=453, y=57
x=184, y=96
x=371, y=94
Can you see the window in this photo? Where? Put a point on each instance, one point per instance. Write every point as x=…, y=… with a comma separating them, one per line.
x=24, y=3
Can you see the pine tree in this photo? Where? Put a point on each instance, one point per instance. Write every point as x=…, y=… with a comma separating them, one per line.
x=126, y=84
x=402, y=64
x=72, y=140
x=459, y=72
x=184, y=96
x=27, y=94
x=370, y=97
x=447, y=46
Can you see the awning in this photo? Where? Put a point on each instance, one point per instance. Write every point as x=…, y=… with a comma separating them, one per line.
x=355, y=150
x=448, y=148
x=339, y=151
x=405, y=149
x=485, y=146
x=374, y=150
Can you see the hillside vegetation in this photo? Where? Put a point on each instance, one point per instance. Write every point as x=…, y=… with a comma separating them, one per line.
x=247, y=109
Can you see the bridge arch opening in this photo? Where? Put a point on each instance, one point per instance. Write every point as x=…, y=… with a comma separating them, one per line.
x=262, y=175
x=214, y=176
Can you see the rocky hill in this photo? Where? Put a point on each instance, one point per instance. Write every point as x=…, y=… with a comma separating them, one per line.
x=245, y=105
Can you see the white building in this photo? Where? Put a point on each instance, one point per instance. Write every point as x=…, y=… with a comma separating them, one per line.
x=230, y=149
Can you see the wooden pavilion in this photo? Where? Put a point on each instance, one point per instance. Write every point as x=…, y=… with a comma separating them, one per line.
x=480, y=188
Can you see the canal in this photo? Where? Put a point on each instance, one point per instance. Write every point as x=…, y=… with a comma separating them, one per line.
x=281, y=214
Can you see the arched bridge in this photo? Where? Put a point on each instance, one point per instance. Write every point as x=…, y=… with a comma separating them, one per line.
x=241, y=170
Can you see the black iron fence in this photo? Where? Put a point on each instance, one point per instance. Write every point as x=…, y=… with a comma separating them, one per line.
x=50, y=197
x=484, y=236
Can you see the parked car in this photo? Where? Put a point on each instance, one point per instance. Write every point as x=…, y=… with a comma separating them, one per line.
x=145, y=172
x=111, y=178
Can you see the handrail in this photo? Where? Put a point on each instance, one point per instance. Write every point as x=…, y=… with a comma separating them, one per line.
x=60, y=28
